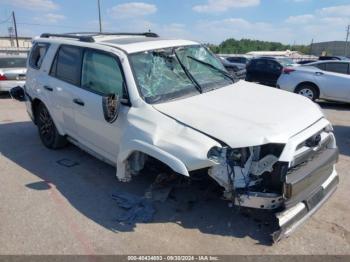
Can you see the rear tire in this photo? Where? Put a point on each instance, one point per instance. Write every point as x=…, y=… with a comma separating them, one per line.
x=47, y=130
x=308, y=91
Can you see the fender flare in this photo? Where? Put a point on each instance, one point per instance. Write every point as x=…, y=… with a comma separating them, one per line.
x=137, y=145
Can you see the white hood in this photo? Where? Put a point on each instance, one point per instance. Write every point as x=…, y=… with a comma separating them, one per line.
x=245, y=114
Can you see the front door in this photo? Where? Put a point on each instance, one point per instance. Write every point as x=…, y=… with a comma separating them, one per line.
x=101, y=75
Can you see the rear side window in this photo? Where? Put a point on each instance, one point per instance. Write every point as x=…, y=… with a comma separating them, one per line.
x=37, y=55
x=258, y=64
x=102, y=74
x=341, y=68
x=273, y=66
x=67, y=64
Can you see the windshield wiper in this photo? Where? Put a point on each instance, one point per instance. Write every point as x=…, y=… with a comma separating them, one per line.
x=213, y=67
x=188, y=74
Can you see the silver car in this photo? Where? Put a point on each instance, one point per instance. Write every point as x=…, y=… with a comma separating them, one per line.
x=12, y=71
x=329, y=80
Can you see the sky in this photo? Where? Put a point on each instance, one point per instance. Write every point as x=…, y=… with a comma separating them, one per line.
x=210, y=21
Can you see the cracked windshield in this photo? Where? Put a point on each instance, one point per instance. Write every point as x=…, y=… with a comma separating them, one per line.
x=171, y=73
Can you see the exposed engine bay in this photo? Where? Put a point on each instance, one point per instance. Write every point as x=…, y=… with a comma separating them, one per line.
x=255, y=177
x=249, y=175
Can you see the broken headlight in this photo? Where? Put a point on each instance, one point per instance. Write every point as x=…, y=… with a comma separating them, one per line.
x=217, y=154
x=328, y=128
x=231, y=156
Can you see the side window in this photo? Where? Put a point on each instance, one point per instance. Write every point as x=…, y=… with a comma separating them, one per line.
x=272, y=66
x=101, y=73
x=258, y=64
x=37, y=55
x=321, y=66
x=233, y=59
x=341, y=68
x=67, y=64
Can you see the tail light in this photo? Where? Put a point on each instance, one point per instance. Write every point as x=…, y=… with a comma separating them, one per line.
x=2, y=77
x=288, y=70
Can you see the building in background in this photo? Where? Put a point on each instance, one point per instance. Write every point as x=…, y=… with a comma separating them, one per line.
x=8, y=44
x=335, y=48
x=295, y=55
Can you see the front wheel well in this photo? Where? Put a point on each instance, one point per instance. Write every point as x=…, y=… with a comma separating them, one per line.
x=307, y=83
x=138, y=160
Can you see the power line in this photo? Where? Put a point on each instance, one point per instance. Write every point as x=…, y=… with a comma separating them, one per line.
x=6, y=20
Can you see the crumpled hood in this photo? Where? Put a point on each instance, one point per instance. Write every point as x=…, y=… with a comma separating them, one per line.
x=245, y=114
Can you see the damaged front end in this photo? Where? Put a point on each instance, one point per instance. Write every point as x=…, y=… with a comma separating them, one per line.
x=256, y=177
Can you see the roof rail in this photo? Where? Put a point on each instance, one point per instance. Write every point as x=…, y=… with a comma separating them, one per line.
x=83, y=38
x=146, y=34
x=88, y=36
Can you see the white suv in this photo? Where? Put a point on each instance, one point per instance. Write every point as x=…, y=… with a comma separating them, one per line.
x=129, y=98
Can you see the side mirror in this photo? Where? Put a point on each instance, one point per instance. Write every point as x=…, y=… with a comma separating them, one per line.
x=18, y=93
x=110, y=105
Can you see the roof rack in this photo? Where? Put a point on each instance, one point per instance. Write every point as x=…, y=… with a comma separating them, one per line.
x=82, y=38
x=88, y=36
x=146, y=34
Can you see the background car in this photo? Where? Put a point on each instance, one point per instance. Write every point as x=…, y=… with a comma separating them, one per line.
x=266, y=70
x=237, y=70
x=238, y=59
x=303, y=62
x=328, y=80
x=12, y=71
x=333, y=58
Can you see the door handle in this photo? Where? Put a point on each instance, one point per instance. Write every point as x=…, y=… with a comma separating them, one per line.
x=48, y=88
x=78, y=101
x=319, y=73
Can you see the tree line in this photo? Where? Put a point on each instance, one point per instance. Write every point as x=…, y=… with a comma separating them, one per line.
x=233, y=46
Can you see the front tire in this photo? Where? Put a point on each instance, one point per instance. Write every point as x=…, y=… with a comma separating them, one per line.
x=47, y=130
x=308, y=91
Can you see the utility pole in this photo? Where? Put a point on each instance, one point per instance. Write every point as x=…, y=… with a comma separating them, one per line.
x=99, y=15
x=15, y=26
x=346, y=41
x=311, y=45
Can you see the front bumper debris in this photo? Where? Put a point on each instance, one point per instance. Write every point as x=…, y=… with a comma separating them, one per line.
x=290, y=219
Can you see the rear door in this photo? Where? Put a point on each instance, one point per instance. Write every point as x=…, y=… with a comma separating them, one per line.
x=64, y=79
x=334, y=80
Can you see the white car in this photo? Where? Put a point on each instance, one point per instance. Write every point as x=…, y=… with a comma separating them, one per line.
x=129, y=98
x=328, y=80
x=12, y=71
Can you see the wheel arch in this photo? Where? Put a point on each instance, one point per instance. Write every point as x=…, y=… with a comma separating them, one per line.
x=35, y=105
x=162, y=156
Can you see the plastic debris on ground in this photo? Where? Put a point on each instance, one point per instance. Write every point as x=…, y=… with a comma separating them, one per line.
x=137, y=209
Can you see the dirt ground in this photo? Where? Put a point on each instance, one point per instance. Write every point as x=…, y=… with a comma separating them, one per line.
x=50, y=208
